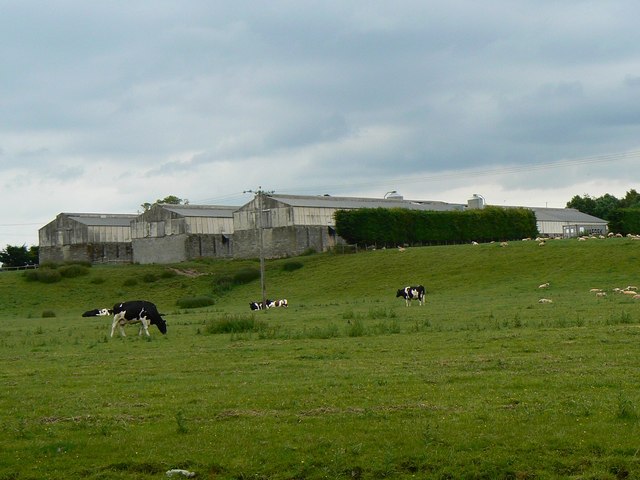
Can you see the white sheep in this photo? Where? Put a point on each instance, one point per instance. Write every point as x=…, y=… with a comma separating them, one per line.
x=544, y=285
x=545, y=300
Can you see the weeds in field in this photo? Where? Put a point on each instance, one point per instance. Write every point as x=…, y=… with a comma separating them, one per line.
x=195, y=302
x=234, y=324
x=181, y=422
x=626, y=410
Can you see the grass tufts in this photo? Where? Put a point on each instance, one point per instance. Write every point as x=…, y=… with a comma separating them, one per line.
x=149, y=278
x=73, y=271
x=626, y=409
x=246, y=275
x=292, y=266
x=43, y=275
x=356, y=328
x=195, y=302
x=234, y=324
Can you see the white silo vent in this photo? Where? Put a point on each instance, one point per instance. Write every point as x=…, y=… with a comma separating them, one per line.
x=393, y=195
x=477, y=202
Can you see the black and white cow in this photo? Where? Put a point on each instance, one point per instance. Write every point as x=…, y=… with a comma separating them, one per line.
x=260, y=305
x=277, y=303
x=412, y=293
x=98, y=312
x=136, y=311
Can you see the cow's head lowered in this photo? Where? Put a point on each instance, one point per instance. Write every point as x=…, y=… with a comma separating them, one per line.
x=137, y=311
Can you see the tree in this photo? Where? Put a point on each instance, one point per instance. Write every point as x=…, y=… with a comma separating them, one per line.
x=14, y=256
x=631, y=200
x=170, y=200
x=584, y=204
x=601, y=207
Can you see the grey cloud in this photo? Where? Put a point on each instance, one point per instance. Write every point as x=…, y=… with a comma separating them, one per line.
x=354, y=90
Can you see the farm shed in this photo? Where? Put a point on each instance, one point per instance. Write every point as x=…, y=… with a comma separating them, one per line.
x=557, y=222
x=92, y=237
x=293, y=224
x=567, y=222
x=174, y=233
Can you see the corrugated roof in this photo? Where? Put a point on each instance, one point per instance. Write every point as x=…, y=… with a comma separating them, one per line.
x=565, y=215
x=217, y=211
x=327, y=201
x=102, y=219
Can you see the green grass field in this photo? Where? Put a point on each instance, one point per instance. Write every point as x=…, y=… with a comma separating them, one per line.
x=483, y=382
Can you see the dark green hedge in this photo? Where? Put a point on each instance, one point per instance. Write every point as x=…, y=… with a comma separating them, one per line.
x=625, y=220
x=398, y=226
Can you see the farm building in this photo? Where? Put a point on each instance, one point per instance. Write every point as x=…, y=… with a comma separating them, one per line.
x=293, y=224
x=175, y=233
x=90, y=237
x=568, y=222
x=558, y=222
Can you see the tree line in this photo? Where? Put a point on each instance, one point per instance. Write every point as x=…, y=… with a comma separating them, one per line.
x=622, y=214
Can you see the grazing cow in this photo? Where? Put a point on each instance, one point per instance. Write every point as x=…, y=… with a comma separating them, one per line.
x=412, y=293
x=137, y=311
x=277, y=303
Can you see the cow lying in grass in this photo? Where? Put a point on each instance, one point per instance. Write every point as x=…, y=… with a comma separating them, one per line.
x=268, y=304
x=277, y=303
x=136, y=311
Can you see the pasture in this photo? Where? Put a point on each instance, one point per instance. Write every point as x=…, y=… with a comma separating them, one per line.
x=483, y=382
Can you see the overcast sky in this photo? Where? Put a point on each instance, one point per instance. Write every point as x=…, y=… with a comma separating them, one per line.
x=107, y=105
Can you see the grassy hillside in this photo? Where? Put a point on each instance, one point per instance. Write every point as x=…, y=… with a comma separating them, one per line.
x=480, y=278
x=347, y=383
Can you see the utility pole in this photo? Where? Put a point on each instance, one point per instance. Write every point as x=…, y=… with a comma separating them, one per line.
x=259, y=197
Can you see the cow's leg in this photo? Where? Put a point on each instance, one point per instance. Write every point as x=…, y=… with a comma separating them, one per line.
x=144, y=324
x=121, y=325
x=113, y=326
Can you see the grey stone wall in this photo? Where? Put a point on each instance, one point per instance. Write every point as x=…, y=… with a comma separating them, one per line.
x=284, y=241
x=169, y=249
x=209, y=246
x=179, y=248
x=93, y=253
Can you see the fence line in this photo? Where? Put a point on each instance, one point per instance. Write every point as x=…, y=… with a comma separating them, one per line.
x=23, y=267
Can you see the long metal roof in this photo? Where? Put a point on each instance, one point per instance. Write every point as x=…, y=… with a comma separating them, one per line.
x=565, y=215
x=102, y=219
x=219, y=211
x=328, y=201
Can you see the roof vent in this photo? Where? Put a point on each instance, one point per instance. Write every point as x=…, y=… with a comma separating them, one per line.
x=477, y=202
x=393, y=195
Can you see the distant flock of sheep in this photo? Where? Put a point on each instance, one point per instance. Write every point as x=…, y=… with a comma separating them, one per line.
x=630, y=290
x=542, y=240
